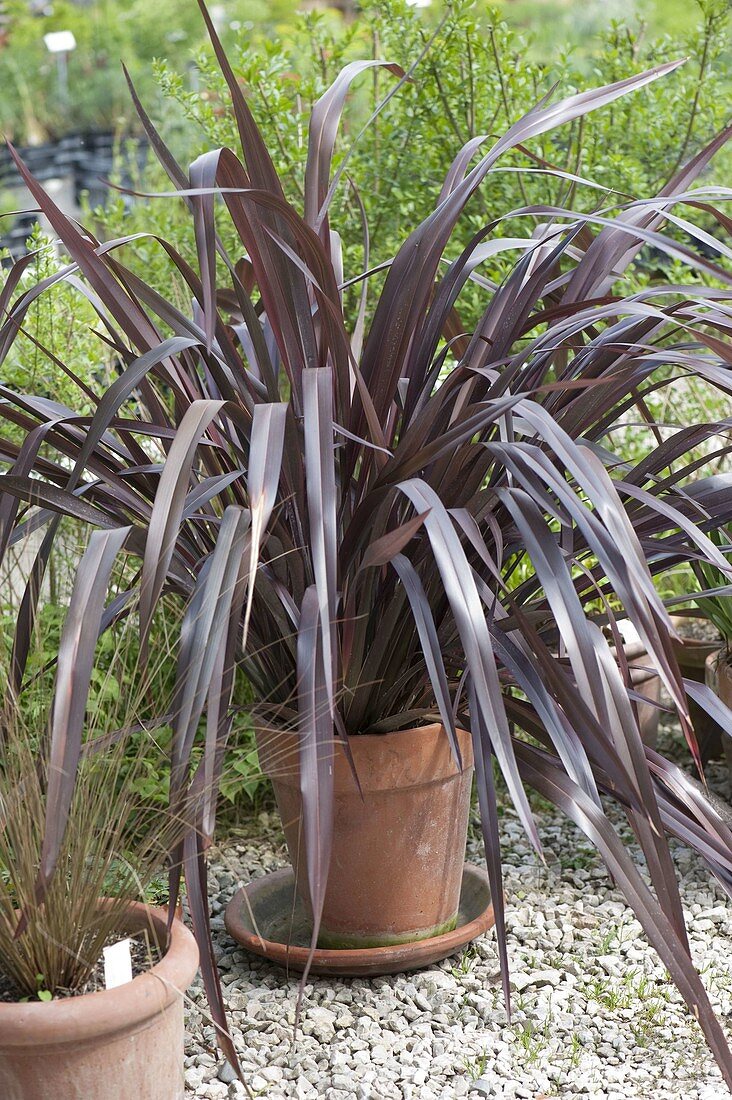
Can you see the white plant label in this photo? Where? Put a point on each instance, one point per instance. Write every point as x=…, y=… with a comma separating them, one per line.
x=117, y=964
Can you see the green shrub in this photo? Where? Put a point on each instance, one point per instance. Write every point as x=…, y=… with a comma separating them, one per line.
x=60, y=324
x=116, y=674
x=475, y=77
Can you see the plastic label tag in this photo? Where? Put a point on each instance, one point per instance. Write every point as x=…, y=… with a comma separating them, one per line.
x=117, y=964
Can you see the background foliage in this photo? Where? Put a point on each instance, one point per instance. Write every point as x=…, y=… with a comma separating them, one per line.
x=106, y=32
x=475, y=77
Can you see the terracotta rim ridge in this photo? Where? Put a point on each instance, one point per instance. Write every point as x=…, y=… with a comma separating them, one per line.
x=279, y=756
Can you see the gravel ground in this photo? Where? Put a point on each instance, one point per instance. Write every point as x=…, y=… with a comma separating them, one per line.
x=595, y=1015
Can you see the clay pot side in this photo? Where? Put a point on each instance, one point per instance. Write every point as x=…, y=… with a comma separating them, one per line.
x=692, y=653
x=124, y=1042
x=647, y=684
x=398, y=848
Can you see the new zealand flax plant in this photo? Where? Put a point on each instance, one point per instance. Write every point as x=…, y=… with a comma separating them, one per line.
x=435, y=522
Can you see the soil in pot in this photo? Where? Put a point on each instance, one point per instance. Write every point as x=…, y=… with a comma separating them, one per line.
x=144, y=953
x=108, y=1044
x=398, y=845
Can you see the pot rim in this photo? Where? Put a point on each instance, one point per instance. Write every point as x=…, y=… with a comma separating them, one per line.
x=425, y=752
x=109, y=1011
x=694, y=646
x=720, y=657
x=427, y=729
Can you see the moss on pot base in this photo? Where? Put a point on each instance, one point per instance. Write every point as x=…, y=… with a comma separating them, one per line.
x=336, y=942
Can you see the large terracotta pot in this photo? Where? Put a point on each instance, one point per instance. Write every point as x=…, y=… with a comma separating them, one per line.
x=718, y=670
x=116, y=1044
x=398, y=849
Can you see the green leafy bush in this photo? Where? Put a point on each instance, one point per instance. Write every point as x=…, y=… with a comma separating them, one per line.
x=60, y=325
x=475, y=77
x=475, y=74
x=116, y=671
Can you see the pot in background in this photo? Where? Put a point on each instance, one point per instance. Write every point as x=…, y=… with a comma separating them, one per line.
x=718, y=669
x=116, y=1043
x=691, y=655
x=646, y=682
x=398, y=848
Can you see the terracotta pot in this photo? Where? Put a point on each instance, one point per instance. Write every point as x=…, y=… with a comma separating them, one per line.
x=398, y=851
x=117, y=1043
x=718, y=669
x=646, y=682
x=691, y=655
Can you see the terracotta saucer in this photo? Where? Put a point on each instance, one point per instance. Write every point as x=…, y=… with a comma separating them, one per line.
x=267, y=918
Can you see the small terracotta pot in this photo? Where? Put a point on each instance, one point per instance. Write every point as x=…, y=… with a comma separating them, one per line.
x=117, y=1043
x=646, y=682
x=398, y=850
x=718, y=669
x=691, y=655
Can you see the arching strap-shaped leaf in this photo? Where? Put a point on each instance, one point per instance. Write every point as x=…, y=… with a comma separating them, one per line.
x=466, y=607
x=317, y=747
x=205, y=628
x=218, y=711
x=320, y=482
x=324, y=119
x=75, y=662
x=166, y=158
x=383, y=549
x=168, y=508
x=203, y=179
x=121, y=305
x=410, y=281
x=115, y=395
x=194, y=868
x=39, y=492
x=258, y=161
x=624, y=730
x=430, y=643
x=482, y=747
x=541, y=772
x=265, y=462
x=615, y=247
x=553, y=572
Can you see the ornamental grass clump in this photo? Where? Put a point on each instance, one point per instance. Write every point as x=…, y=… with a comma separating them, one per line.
x=109, y=851
x=79, y=841
x=404, y=520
